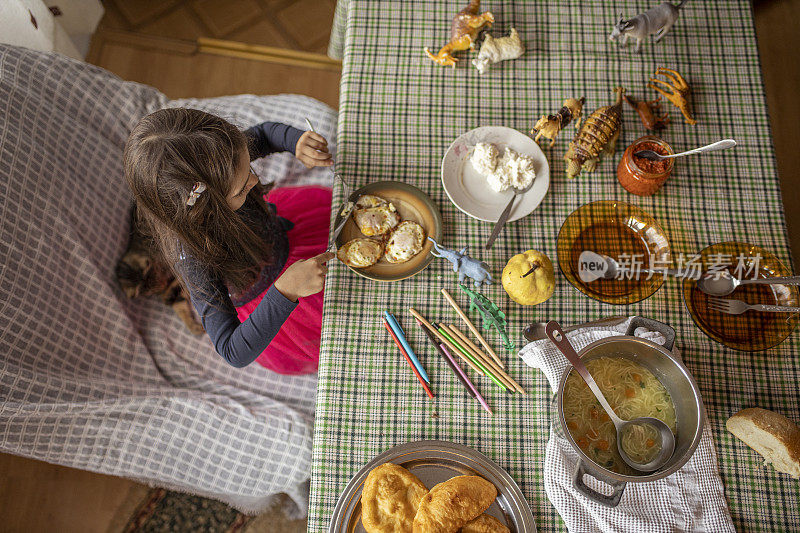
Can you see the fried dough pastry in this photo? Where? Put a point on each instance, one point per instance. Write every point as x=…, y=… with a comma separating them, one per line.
x=485, y=524
x=390, y=499
x=452, y=503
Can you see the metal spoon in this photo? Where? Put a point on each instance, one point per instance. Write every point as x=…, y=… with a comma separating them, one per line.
x=593, y=266
x=559, y=338
x=713, y=147
x=501, y=222
x=722, y=283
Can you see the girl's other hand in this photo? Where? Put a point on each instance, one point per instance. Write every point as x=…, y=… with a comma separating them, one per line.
x=312, y=150
x=304, y=277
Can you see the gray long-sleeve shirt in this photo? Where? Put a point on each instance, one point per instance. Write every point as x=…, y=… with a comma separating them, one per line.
x=241, y=343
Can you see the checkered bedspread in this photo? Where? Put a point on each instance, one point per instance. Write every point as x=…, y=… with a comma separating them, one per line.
x=88, y=378
x=399, y=113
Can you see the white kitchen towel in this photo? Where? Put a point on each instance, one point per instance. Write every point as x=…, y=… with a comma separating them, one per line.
x=691, y=499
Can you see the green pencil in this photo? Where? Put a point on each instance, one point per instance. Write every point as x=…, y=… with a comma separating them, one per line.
x=469, y=356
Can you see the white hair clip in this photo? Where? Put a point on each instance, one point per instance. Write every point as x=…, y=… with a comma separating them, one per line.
x=195, y=193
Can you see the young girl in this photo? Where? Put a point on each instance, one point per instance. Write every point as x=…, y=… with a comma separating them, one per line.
x=254, y=263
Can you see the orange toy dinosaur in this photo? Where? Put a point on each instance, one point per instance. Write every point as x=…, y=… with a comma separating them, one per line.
x=463, y=31
x=678, y=90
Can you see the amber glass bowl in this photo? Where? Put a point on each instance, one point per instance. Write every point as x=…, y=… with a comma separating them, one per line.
x=613, y=229
x=753, y=330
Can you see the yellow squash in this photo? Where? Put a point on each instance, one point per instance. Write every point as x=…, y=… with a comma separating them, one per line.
x=528, y=278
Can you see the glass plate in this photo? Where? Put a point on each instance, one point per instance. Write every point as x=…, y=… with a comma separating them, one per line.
x=752, y=330
x=613, y=229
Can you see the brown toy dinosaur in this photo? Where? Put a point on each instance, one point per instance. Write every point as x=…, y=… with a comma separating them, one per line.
x=464, y=30
x=549, y=126
x=598, y=134
x=648, y=111
x=678, y=90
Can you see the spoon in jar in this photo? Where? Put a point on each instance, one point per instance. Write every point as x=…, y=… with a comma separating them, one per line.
x=559, y=338
x=713, y=147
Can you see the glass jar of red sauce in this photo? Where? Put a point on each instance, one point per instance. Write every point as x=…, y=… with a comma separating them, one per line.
x=642, y=176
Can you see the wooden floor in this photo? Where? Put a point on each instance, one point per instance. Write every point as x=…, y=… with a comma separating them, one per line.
x=152, y=42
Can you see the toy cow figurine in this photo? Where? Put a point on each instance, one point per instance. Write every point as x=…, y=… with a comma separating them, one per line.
x=657, y=20
x=466, y=266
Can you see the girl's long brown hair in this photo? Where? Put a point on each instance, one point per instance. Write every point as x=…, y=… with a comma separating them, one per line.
x=166, y=154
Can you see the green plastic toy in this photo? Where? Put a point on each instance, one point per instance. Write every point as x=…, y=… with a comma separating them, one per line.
x=491, y=315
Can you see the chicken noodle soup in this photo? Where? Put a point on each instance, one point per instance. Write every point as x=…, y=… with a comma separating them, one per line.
x=632, y=391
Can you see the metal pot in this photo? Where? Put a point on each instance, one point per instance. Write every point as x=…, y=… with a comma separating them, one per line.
x=679, y=383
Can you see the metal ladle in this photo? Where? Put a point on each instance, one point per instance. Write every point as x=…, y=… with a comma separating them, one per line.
x=559, y=338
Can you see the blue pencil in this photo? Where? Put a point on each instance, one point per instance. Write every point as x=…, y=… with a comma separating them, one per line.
x=402, y=338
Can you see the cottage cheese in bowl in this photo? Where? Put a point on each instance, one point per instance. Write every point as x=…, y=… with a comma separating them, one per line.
x=502, y=171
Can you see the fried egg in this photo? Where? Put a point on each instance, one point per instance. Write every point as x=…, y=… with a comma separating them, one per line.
x=374, y=215
x=369, y=200
x=405, y=242
x=360, y=253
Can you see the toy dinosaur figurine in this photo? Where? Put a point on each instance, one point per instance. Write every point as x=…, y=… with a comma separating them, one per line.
x=550, y=125
x=678, y=90
x=656, y=20
x=496, y=50
x=466, y=266
x=647, y=111
x=598, y=134
x=491, y=314
x=463, y=31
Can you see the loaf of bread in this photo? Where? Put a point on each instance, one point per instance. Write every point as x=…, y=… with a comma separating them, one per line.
x=772, y=435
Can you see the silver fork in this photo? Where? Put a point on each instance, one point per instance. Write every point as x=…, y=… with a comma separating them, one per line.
x=347, y=206
x=737, y=307
x=347, y=188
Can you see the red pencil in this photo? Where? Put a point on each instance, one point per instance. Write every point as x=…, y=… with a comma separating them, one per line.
x=402, y=351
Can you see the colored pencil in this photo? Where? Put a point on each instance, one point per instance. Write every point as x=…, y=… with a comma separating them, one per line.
x=484, y=359
x=435, y=331
x=413, y=368
x=472, y=327
x=449, y=362
x=446, y=341
x=473, y=390
x=469, y=356
x=490, y=364
x=402, y=338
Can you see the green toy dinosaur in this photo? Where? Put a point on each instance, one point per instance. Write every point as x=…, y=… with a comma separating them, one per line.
x=491, y=315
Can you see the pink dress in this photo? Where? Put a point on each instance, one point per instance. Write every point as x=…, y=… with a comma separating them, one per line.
x=295, y=349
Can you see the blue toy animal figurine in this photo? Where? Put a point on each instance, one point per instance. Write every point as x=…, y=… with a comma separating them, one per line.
x=466, y=266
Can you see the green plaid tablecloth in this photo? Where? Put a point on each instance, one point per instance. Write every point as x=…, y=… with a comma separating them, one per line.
x=398, y=114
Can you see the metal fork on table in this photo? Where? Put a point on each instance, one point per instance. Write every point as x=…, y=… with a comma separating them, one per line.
x=737, y=307
x=347, y=206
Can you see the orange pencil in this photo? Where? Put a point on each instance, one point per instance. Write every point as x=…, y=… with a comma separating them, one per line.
x=402, y=351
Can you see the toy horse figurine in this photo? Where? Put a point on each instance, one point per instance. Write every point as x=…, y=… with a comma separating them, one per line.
x=656, y=20
x=466, y=266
